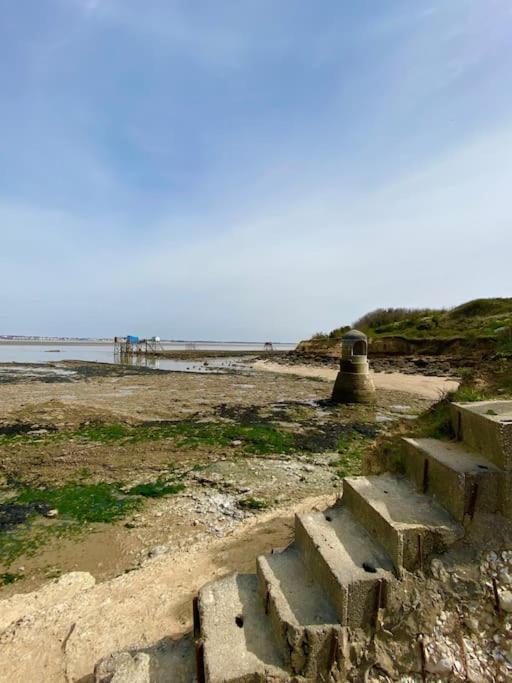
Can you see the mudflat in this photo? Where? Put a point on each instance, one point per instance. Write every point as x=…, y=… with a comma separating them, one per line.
x=103, y=466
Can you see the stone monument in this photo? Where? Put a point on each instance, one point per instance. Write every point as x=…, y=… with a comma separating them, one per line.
x=354, y=383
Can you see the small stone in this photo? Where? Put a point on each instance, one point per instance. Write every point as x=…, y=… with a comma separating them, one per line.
x=158, y=550
x=443, y=666
x=401, y=409
x=474, y=675
x=52, y=513
x=438, y=570
x=236, y=443
x=506, y=601
x=505, y=576
x=472, y=624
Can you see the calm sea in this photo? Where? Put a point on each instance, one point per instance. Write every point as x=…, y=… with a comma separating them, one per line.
x=104, y=353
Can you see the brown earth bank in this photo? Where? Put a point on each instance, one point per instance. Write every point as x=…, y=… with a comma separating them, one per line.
x=454, y=363
x=455, y=347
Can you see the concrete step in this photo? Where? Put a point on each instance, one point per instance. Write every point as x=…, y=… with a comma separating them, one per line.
x=302, y=617
x=461, y=481
x=486, y=427
x=236, y=643
x=409, y=525
x=353, y=570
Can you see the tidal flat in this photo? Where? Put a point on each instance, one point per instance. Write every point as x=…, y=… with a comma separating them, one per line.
x=104, y=466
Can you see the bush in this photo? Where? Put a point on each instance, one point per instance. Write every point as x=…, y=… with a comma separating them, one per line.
x=385, y=316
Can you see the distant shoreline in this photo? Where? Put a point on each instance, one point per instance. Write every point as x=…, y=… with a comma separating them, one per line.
x=54, y=342
x=177, y=344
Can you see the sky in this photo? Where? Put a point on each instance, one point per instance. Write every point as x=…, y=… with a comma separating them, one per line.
x=250, y=169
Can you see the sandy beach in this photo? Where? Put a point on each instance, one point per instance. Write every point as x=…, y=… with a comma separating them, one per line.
x=427, y=387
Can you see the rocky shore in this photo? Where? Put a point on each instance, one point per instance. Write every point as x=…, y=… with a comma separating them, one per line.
x=427, y=365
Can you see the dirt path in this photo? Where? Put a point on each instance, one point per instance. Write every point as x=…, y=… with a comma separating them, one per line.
x=150, y=609
x=427, y=387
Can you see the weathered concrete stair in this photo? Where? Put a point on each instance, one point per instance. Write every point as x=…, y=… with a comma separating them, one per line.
x=458, y=479
x=409, y=525
x=303, y=619
x=289, y=622
x=345, y=560
x=337, y=574
x=234, y=626
x=486, y=428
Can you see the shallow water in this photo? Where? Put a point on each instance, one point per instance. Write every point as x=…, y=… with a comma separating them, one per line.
x=104, y=353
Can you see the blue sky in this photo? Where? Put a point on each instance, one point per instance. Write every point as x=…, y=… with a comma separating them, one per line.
x=250, y=169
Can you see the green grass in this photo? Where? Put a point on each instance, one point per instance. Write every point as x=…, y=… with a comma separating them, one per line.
x=26, y=541
x=504, y=349
x=156, y=489
x=435, y=423
x=257, y=438
x=351, y=447
x=83, y=502
x=471, y=320
x=468, y=394
x=78, y=505
x=506, y=385
x=253, y=504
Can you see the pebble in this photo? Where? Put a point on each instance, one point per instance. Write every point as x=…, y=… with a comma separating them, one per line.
x=472, y=624
x=158, y=550
x=506, y=601
x=442, y=666
x=400, y=409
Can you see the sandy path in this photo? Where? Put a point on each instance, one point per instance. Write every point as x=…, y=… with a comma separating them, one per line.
x=149, y=609
x=427, y=387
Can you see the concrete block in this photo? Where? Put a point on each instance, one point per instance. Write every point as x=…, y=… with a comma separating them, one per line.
x=303, y=620
x=462, y=482
x=237, y=641
x=342, y=557
x=486, y=427
x=408, y=525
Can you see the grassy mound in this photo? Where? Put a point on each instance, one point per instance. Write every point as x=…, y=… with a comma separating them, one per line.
x=480, y=318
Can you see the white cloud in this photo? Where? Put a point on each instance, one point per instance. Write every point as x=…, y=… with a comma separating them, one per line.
x=437, y=237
